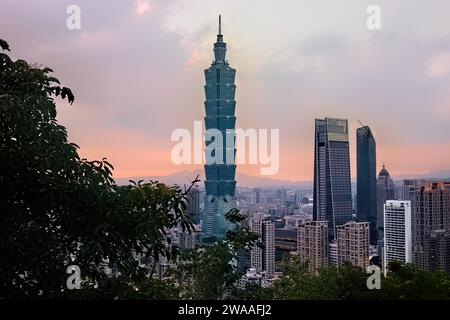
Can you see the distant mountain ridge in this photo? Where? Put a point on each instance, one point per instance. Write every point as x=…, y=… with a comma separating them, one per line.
x=244, y=180
x=441, y=174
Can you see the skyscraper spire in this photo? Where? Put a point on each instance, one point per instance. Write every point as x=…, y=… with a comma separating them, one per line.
x=220, y=36
x=220, y=47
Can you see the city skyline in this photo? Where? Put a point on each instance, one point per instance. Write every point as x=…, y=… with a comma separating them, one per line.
x=305, y=57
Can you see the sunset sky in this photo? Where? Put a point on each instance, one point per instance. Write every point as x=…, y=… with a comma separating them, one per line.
x=136, y=69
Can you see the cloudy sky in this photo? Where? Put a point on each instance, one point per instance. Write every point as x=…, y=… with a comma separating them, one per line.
x=136, y=69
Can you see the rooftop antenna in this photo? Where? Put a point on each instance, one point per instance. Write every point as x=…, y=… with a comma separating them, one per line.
x=220, y=24
x=360, y=123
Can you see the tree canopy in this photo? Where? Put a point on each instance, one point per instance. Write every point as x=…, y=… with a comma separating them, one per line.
x=57, y=209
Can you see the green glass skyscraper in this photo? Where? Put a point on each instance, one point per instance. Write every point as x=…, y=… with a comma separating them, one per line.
x=220, y=183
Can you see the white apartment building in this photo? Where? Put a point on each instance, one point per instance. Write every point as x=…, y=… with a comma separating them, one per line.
x=397, y=232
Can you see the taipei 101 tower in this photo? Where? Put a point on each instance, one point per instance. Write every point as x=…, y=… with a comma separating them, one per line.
x=220, y=183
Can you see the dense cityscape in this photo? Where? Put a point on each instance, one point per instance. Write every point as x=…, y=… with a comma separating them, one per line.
x=380, y=221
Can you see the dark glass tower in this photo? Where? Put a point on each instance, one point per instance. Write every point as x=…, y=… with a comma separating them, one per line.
x=193, y=204
x=385, y=191
x=332, y=184
x=220, y=104
x=366, y=189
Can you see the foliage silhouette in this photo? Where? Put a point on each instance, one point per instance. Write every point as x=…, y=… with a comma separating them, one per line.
x=57, y=209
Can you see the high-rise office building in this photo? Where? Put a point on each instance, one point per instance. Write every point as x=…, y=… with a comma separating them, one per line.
x=407, y=189
x=220, y=170
x=385, y=191
x=366, y=180
x=312, y=244
x=257, y=195
x=193, y=204
x=440, y=250
x=332, y=184
x=263, y=257
x=397, y=232
x=431, y=224
x=281, y=194
x=353, y=243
